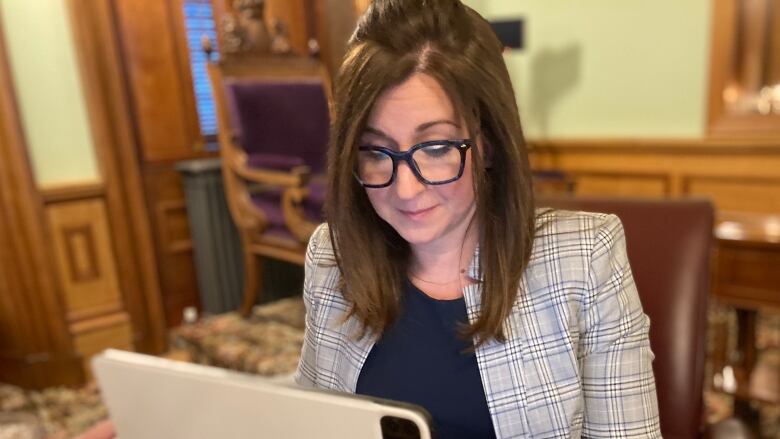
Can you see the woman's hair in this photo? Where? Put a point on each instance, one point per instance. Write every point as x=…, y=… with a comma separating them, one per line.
x=456, y=46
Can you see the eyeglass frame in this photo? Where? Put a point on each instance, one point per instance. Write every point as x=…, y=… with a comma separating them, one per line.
x=462, y=146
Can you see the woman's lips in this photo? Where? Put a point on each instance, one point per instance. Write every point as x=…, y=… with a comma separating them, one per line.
x=417, y=214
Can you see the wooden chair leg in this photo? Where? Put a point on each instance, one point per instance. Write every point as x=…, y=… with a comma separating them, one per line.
x=252, y=277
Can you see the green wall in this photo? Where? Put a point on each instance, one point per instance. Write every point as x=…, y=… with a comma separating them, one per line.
x=48, y=91
x=610, y=68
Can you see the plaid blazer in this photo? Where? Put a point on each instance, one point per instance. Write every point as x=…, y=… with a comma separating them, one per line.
x=577, y=359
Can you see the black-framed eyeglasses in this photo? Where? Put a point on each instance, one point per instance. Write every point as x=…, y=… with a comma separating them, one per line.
x=435, y=162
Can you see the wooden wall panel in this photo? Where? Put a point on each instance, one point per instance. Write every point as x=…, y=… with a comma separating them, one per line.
x=336, y=21
x=620, y=184
x=35, y=348
x=156, y=64
x=90, y=338
x=677, y=161
x=94, y=25
x=746, y=194
x=85, y=255
x=173, y=244
x=162, y=99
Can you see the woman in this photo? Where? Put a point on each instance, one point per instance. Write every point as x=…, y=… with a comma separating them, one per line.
x=435, y=280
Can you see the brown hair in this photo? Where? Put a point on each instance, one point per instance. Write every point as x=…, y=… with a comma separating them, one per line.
x=453, y=44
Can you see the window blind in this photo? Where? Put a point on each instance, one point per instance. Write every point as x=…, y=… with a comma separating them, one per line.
x=199, y=21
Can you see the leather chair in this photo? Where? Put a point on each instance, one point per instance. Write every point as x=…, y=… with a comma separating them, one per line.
x=273, y=115
x=669, y=247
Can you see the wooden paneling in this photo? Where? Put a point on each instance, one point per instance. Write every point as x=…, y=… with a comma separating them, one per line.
x=173, y=244
x=111, y=331
x=159, y=83
x=743, y=194
x=35, y=348
x=621, y=184
x=85, y=256
x=97, y=47
x=173, y=226
x=336, y=21
x=668, y=167
x=162, y=98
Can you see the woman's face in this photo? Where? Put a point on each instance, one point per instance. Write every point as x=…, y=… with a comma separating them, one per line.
x=430, y=216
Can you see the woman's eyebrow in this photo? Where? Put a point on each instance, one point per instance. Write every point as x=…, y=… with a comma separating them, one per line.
x=379, y=133
x=421, y=128
x=431, y=124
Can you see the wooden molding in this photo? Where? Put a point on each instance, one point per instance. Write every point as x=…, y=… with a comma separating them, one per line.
x=629, y=183
x=98, y=323
x=72, y=192
x=659, y=146
x=94, y=312
x=81, y=272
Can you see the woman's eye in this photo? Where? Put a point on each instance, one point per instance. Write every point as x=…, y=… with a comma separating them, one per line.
x=374, y=156
x=437, y=150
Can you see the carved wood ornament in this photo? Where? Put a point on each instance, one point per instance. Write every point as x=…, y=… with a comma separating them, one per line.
x=245, y=31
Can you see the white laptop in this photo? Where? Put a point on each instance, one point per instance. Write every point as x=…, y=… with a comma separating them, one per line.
x=151, y=397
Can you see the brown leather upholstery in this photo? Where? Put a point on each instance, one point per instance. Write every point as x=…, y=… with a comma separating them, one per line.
x=669, y=244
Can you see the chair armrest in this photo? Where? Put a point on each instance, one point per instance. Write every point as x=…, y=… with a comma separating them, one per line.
x=296, y=177
x=275, y=162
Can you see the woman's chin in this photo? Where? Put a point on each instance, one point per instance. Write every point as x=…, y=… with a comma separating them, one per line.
x=417, y=235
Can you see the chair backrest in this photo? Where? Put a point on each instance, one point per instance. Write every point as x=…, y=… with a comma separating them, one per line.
x=273, y=105
x=273, y=113
x=669, y=248
x=280, y=117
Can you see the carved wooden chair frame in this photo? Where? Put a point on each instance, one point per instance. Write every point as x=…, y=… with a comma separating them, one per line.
x=241, y=180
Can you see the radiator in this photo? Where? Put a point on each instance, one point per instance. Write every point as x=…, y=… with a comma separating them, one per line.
x=215, y=242
x=217, y=246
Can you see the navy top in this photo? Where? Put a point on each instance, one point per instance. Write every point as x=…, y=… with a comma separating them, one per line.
x=421, y=359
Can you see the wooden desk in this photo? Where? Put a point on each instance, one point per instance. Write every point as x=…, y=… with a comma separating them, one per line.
x=747, y=276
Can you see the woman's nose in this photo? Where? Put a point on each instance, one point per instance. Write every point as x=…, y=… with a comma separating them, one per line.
x=407, y=185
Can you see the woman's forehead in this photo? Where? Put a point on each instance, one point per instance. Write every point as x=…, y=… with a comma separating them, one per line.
x=419, y=102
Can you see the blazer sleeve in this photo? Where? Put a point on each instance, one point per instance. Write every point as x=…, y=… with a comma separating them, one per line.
x=614, y=352
x=305, y=375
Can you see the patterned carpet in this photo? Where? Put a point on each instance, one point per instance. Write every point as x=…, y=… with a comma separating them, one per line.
x=269, y=342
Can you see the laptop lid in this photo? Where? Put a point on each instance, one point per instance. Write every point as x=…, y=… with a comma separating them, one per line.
x=151, y=397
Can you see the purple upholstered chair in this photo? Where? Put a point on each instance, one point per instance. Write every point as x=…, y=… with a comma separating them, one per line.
x=273, y=134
